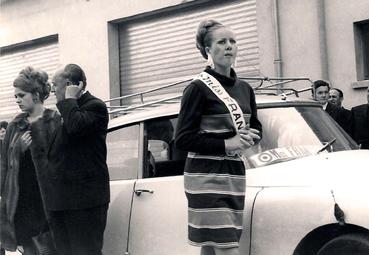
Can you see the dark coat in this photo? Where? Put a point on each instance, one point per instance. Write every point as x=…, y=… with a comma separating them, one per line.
x=10, y=164
x=77, y=174
x=340, y=115
x=360, y=125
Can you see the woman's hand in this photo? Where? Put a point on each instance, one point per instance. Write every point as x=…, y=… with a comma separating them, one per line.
x=26, y=140
x=250, y=135
x=245, y=139
x=236, y=144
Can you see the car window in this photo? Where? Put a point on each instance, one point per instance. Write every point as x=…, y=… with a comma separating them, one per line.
x=162, y=158
x=294, y=132
x=122, y=145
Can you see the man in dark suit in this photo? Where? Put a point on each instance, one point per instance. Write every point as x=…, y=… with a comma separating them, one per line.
x=336, y=98
x=77, y=195
x=321, y=94
x=360, y=123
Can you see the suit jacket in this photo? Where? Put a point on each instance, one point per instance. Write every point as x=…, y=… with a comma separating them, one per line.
x=340, y=115
x=76, y=175
x=360, y=125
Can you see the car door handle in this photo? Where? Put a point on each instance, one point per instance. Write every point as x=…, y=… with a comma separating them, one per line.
x=138, y=192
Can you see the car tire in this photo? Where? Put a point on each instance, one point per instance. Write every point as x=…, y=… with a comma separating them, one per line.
x=349, y=244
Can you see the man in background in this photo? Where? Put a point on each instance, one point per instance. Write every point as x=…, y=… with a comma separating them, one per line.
x=360, y=123
x=336, y=98
x=3, y=126
x=321, y=94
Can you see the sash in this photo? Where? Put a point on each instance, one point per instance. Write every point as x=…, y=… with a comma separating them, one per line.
x=231, y=104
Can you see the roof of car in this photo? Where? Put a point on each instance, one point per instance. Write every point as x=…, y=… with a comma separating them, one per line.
x=172, y=108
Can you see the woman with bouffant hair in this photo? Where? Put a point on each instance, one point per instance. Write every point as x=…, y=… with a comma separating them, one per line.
x=22, y=213
x=217, y=121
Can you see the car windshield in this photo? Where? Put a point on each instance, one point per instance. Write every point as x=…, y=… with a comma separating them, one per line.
x=295, y=132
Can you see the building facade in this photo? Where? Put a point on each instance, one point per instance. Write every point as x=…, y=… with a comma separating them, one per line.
x=130, y=46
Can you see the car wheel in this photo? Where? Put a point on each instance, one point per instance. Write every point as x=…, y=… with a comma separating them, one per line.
x=349, y=244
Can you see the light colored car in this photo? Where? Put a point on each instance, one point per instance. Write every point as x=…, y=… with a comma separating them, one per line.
x=307, y=184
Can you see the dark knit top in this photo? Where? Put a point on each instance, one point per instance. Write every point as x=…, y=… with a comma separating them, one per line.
x=198, y=100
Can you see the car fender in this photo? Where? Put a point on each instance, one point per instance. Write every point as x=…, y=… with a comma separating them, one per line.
x=283, y=216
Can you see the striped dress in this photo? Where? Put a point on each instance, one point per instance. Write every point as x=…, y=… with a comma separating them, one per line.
x=214, y=183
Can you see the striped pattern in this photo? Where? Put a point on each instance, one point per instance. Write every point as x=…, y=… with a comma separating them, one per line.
x=215, y=183
x=161, y=50
x=211, y=123
x=215, y=190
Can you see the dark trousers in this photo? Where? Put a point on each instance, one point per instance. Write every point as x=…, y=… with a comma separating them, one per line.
x=79, y=232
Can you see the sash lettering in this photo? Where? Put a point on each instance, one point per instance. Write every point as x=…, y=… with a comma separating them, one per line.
x=232, y=105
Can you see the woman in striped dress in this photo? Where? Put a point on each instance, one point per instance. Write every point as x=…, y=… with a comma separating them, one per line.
x=214, y=175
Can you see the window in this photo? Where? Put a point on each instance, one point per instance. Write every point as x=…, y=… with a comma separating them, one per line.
x=362, y=49
x=162, y=158
x=123, y=151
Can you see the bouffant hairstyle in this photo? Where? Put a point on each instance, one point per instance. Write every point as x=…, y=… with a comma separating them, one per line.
x=33, y=81
x=74, y=74
x=203, y=35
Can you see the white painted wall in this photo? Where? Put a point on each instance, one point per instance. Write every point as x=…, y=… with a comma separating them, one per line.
x=340, y=16
x=82, y=27
x=300, y=48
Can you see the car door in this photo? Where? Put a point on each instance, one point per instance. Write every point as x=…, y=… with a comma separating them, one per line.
x=159, y=208
x=123, y=145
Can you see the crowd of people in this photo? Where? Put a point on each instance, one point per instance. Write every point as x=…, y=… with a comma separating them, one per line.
x=54, y=177
x=355, y=121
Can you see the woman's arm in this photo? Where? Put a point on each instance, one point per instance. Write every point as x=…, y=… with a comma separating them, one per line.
x=254, y=121
x=189, y=120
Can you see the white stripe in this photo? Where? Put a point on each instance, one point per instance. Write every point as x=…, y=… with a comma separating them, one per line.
x=223, y=209
x=215, y=192
x=198, y=156
x=212, y=175
x=215, y=226
x=209, y=243
x=218, y=131
x=222, y=115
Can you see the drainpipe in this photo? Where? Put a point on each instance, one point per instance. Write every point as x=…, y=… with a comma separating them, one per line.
x=277, y=52
x=323, y=40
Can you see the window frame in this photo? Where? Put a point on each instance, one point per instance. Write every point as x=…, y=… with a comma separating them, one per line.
x=361, y=39
x=145, y=144
x=140, y=145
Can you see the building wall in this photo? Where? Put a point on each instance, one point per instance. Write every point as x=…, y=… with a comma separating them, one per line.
x=340, y=16
x=301, y=44
x=82, y=26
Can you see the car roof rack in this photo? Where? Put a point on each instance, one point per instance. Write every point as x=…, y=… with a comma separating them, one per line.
x=138, y=100
x=275, y=85
x=141, y=100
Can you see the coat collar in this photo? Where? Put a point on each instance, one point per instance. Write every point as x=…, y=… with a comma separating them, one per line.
x=224, y=80
x=21, y=119
x=84, y=98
